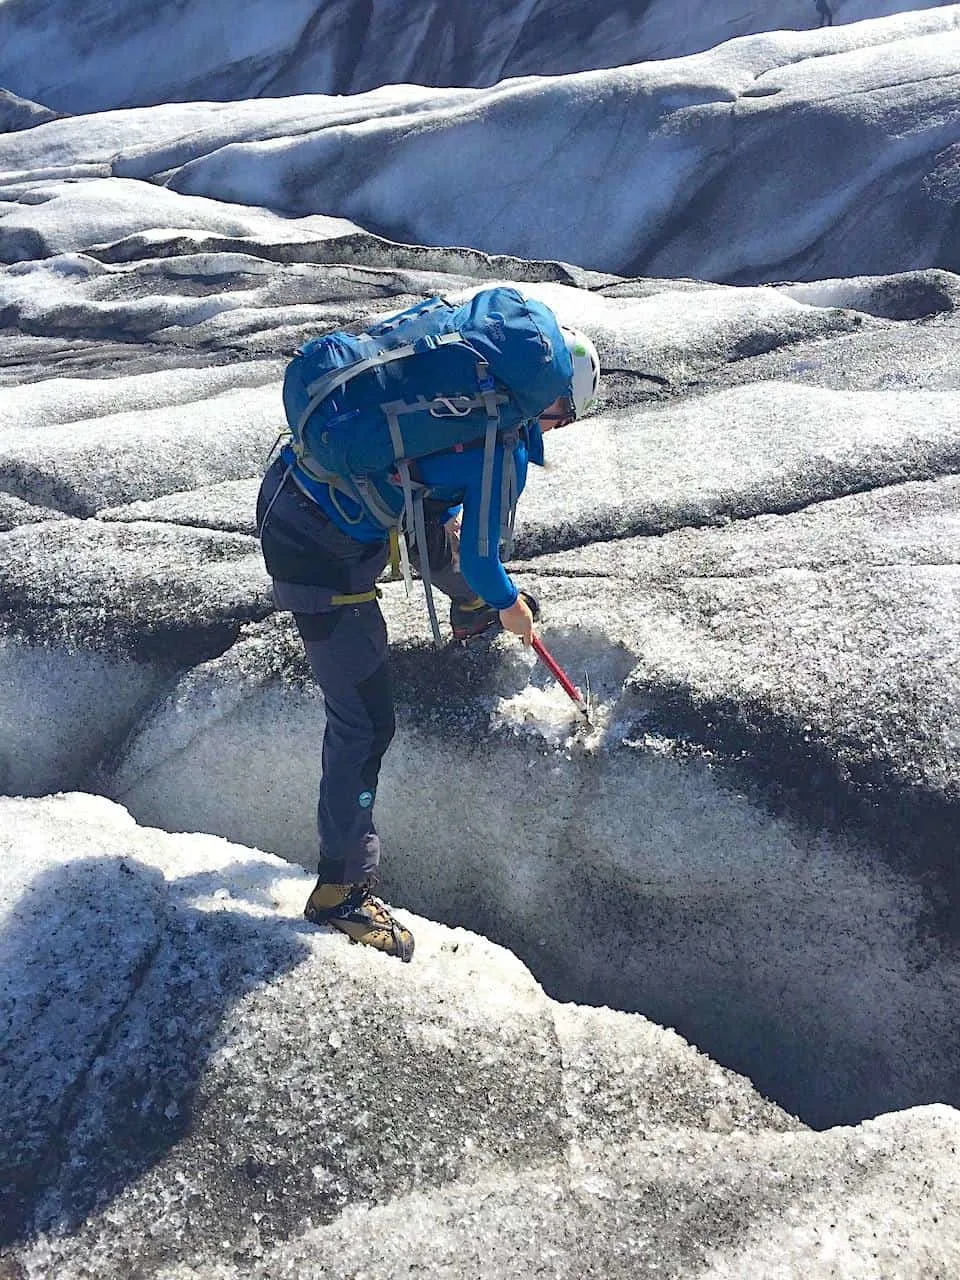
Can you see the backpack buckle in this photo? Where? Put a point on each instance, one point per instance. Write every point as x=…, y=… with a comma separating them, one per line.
x=484, y=377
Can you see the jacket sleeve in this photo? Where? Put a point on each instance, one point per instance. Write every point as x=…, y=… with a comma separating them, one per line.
x=485, y=574
x=464, y=471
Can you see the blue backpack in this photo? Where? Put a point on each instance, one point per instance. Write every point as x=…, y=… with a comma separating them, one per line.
x=432, y=378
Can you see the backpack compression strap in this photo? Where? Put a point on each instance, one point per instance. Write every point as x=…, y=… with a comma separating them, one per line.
x=488, y=394
x=509, y=494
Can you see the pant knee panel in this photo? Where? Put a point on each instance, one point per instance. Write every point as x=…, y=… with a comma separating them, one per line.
x=376, y=693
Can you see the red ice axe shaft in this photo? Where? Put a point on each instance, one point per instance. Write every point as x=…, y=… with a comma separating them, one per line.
x=569, y=688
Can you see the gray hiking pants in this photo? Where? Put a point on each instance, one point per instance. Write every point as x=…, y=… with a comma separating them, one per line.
x=310, y=559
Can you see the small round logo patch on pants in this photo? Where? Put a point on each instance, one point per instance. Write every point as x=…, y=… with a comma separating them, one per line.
x=365, y=799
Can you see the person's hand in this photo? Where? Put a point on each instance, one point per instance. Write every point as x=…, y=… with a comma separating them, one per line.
x=519, y=620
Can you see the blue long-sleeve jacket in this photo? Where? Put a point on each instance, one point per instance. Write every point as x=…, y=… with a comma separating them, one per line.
x=454, y=478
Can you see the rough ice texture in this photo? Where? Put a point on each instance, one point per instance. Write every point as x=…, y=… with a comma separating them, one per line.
x=750, y=551
x=17, y=113
x=754, y=573
x=784, y=156
x=188, y=1064
x=276, y=47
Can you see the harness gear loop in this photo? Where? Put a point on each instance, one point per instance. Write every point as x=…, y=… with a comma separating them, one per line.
x=421, y=535
x=405, y=565
x=394, y=537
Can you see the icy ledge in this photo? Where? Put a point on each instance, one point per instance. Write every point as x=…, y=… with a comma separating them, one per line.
x=198, y=1084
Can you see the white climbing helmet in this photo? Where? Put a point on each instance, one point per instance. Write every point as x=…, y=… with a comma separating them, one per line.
x=586, y=370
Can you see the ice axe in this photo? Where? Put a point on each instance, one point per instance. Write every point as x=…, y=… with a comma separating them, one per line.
x=569, y=688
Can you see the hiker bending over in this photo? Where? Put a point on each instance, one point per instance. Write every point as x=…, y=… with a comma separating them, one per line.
x=416, y=437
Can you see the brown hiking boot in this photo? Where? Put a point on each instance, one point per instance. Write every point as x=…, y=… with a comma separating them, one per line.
x=354, y=910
